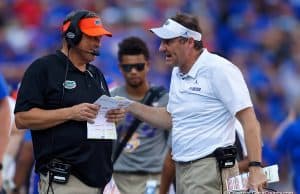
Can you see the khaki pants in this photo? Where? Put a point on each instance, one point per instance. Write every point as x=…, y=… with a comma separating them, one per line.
x=130, y=183
x=73, y=186
x=202, y=176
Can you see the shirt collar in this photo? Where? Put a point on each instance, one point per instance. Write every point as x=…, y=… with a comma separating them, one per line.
x=71, y=67
x=196, y=66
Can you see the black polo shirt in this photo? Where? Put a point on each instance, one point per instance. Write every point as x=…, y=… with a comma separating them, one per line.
x=42, y=87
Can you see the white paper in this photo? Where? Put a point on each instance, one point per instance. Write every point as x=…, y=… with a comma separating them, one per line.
x=239, y=183
x=101, y=129
x=113, y=102
x=111, y=188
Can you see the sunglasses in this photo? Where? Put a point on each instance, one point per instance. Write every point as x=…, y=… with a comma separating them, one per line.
x=128, y=67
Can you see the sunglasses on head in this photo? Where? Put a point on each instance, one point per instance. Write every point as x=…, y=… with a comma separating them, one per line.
x=129, y=67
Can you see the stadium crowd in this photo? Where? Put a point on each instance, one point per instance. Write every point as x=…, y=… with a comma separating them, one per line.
x=261, y=37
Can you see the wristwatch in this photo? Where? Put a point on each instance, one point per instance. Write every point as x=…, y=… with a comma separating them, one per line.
x=255, y=163
x=1, y=166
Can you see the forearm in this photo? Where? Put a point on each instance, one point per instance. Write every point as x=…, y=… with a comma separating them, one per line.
x=243, y=165
x=38, y=119
x=167, y=175
x=252, y=134
x=4, y=125
x=155, y=116
x=253, y=141
x=15, y=140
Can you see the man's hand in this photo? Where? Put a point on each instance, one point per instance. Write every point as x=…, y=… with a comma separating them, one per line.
x=8, y=172
x=115, y=115
x=256, y=178
x=84, y=112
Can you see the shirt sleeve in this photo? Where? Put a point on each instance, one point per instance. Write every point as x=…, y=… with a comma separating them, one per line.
x=31, y=92
x=230, y=87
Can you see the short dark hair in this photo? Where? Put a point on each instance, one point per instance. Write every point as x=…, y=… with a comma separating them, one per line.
x=133, y=46
x=190, y=22
x=70, y=16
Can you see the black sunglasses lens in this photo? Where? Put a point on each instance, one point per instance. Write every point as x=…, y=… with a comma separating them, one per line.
x=128, y=67
x=140, y=67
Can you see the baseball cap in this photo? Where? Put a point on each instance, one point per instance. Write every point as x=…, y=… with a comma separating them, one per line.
x=173, y=29
x=90, y=26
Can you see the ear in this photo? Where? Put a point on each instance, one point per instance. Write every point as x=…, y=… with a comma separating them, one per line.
x=191, y=42
x=147, y=66
x=120, y=69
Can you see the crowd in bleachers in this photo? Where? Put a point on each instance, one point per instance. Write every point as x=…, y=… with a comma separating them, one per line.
x=260, y=36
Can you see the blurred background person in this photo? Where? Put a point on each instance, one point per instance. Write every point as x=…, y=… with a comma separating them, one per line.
x=5, y=124
x=287, y=142
x=142, y=157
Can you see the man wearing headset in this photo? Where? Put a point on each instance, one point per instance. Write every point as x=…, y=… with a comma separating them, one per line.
x=55, y=101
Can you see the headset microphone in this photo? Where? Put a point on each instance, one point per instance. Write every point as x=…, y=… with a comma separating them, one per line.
x=94, y=52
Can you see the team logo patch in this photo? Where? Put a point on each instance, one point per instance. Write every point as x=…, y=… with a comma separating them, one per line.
x=68, y=84
x=98, y=22
x=70, y=35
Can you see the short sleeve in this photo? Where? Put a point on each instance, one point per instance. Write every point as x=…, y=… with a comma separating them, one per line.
x=31, y=92
x=230, y=87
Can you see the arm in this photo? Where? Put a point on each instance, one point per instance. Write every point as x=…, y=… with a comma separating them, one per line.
x=37, y=119
x=155, y=116
x=15, y=141
x=281, y=128
x=168, y=174
x=4, y=128
x=253, y=143
x=243, y=165
x=4, y=125
x=9, y=163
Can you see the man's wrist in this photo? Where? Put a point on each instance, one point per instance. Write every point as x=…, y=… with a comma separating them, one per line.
x=254, y=164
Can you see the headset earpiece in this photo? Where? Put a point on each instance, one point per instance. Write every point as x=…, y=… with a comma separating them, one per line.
x=73, y=34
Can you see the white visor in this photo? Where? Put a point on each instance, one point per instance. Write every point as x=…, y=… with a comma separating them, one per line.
x=172, y=29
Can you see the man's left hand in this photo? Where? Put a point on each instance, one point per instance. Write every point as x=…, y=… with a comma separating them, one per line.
x=257, y=178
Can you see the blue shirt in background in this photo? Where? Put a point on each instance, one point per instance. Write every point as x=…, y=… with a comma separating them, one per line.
x=289, y=142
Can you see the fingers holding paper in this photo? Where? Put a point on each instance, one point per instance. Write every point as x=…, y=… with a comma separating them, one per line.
x=257, y=179
x=85, y=112
x=115, y=115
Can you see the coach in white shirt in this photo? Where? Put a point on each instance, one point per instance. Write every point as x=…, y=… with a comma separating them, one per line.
x=207, y=93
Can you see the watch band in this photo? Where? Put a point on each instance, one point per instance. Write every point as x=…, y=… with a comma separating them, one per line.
x=254, y=163
x=1, y=166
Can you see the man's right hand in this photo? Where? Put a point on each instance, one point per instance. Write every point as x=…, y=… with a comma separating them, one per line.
x=84, y=112
x=8, y=172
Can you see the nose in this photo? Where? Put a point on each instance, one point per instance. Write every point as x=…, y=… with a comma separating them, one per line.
x=162, y=47
x=97, y=39
x=133, y=70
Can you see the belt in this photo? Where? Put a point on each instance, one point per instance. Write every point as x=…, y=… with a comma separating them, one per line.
x=212, y=155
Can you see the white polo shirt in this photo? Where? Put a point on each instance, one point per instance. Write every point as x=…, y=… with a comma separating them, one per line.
x=203, y=104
